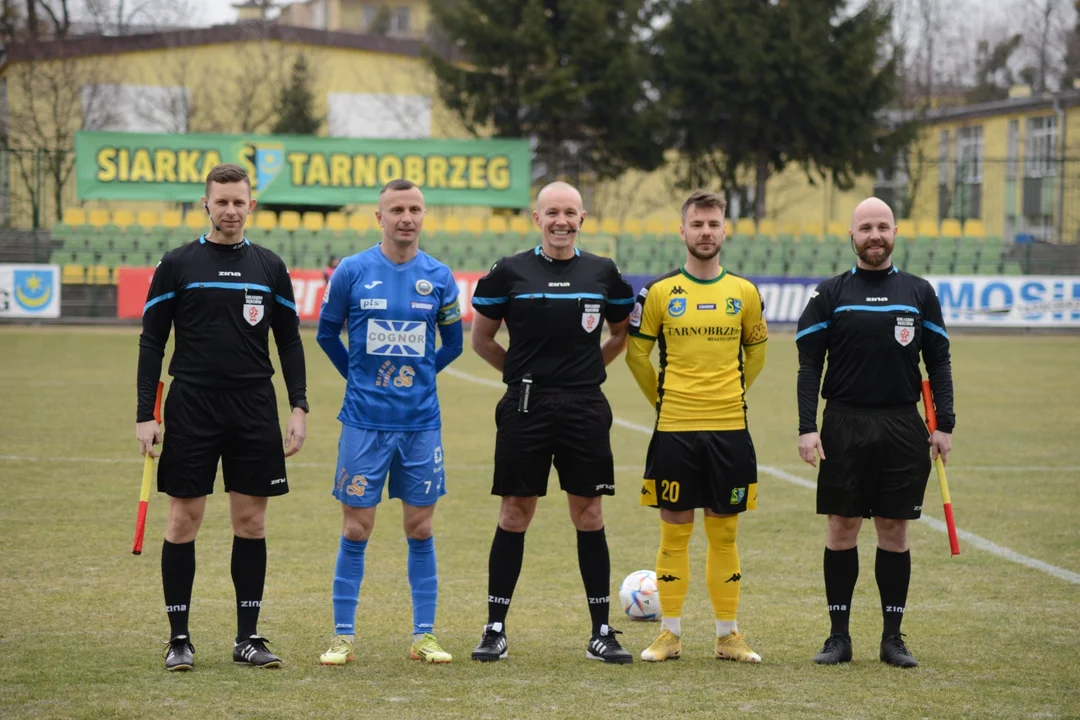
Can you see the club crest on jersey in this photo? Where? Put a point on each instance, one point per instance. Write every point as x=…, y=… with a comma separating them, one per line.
x=424, y=287
x=904, y=332
x=253, y=314
x=676, y=307
x=733, y=306
x=590, y=318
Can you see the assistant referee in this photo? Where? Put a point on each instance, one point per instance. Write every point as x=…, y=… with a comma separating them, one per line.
x=224, y=296
x=554, y=300
x=873, y=323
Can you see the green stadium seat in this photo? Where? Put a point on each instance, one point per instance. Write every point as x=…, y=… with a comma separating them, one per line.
x=1012, y=267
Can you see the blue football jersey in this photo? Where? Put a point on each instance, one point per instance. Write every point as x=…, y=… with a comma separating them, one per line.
x=392, y=312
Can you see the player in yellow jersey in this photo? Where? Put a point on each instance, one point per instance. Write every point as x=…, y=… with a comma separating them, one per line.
x=710, y=326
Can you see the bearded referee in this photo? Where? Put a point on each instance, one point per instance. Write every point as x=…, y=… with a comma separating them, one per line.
x=224, y=296
x=872, y=323
x=710, y=326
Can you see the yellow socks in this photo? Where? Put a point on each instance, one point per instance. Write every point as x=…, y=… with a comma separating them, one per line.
x=722, y=573
x=673, y=571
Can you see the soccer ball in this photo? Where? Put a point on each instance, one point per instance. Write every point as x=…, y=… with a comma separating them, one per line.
x=639, y=596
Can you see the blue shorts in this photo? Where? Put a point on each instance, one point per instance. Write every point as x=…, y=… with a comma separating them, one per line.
x=414, y=461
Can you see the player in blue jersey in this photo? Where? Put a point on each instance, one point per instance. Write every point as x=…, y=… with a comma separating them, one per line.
x=393, y=297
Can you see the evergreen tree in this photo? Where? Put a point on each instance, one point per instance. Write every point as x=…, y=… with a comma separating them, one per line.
x=570, y=75
x=752, y=86
x=296, y=105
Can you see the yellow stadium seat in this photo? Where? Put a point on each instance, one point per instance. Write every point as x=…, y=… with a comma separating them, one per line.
x=336, y=221
x=632, y=227
x=789, y=227
x=172, y=218
x=359, y=222
x=432, y=224
x=655, y=227
x=673, y=226
x=249, y=221
x=975, y=229
x=148, y=218
x=313, y=221
x=452, y=225
x=73, y=275
x=123, y=219
x=265, y=220
x=74, y=216
x=521, y=224
x=905, y=229
x=729, y=227
x=813, y=228
x=474, y=224
x=951, y=228
x=99, y=218
x=289, y=220
x=837, y=228
x=195, y=221
x=98, y=275
x=745, y=226
x=497, y=224
x=927, y=228
x=767, y=227
x=609, y=226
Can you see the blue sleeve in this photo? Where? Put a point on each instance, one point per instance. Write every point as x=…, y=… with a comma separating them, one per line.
x=329, y=339
x=332, y=317
x=335, y=304
x=450, y=326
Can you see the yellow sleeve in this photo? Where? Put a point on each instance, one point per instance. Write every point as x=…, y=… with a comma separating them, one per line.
x=637, y=358
x=755, y=334
x=644, y=327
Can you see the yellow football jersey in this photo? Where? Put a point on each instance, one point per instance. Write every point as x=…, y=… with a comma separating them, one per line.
x=701, y=328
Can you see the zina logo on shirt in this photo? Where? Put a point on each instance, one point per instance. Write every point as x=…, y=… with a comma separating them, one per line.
x=400, y=338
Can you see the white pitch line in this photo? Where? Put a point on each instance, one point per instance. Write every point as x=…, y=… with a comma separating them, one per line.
x=985, y=468
x=976, y=540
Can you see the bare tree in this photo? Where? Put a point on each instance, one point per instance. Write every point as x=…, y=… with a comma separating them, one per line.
x=1042, y=23
x=58, y=97
x=125, y=17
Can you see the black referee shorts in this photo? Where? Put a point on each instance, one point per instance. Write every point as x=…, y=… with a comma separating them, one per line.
x=239, y=427
x=571, y=427
x=714, y=469
x=876, y=465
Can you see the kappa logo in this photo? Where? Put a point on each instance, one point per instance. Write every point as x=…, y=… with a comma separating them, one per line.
x=677, y=290
x=735, y=577
x=667, y=578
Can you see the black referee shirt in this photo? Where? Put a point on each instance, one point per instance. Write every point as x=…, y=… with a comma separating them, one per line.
x=554, y=311
x=873, y=324
x=223, y=300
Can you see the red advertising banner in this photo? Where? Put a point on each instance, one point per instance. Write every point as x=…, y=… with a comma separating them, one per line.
x=133, y=284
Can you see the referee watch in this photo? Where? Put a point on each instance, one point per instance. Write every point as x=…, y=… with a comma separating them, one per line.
x=303, y=405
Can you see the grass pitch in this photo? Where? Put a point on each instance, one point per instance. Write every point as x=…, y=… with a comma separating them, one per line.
x=81, y=619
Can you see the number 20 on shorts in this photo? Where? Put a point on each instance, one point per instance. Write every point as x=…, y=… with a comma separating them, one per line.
x=669, y=491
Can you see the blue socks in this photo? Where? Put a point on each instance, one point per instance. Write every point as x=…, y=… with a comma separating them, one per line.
x=348, y=574
x=424, y=583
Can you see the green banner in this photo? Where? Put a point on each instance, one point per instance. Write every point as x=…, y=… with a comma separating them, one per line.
x=302, y=170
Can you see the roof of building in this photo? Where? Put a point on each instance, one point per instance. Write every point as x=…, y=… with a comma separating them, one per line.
x=86, y=45
x=1008, y=106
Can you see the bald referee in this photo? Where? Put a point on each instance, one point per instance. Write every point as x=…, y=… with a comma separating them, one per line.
x=872, y=323
x=224, y=296
x=554, y=299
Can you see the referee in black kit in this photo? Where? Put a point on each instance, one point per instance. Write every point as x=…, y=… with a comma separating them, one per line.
x=554, y=300
x=223, y=295
x=873, y=322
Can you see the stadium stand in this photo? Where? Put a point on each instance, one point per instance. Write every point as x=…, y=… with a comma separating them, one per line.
x=92, y=244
